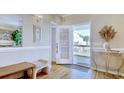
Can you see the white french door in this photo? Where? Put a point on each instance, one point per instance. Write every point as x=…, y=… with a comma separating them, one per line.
x=64, y=45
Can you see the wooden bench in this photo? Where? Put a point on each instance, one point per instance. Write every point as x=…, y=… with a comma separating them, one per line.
x=20, y=68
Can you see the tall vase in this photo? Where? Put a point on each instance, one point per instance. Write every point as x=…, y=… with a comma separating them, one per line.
x=106, y=46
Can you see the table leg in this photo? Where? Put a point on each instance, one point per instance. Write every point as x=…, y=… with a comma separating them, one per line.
x=96, y=71
x=107, y=65
x=118, y=71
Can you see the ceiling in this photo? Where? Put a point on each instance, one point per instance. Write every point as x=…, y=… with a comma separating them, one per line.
x=16, y=20
x=64, y=15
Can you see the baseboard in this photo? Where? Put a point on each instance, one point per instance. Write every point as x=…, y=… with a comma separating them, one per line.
x=111, y=72
x=53, y=61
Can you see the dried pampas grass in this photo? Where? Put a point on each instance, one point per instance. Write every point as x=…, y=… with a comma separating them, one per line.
x=107, y=33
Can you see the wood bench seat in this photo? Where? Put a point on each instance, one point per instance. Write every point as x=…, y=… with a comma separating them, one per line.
x=19, y=68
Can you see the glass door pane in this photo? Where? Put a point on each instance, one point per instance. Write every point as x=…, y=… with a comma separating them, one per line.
x=81, y=46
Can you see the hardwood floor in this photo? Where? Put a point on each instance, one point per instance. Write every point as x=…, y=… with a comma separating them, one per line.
x=73, y=72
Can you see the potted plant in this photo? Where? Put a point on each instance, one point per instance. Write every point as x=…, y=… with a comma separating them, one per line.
x=17, y=37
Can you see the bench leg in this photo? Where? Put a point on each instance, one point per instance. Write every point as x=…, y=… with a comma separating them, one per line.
x=46, y=70
x=34, y=74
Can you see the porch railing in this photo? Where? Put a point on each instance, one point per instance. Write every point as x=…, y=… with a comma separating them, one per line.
x=82, y=50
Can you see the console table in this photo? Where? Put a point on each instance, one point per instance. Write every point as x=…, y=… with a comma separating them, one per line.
x=7, y=71
x=118, y=55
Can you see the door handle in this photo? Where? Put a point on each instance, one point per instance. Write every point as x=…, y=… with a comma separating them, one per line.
x=57, y=48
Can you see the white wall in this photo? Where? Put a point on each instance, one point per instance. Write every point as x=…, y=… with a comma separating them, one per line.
x=9, y=56
x=97, y=22
x=46, y=23
x=27, y=30
x=28, y=22
x=26, y=53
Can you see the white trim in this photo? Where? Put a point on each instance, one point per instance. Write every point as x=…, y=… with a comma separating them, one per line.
x=11, y=49
x=100, y=48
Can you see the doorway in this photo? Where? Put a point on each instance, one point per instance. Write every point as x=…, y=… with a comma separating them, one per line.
x=73, y=45
x=81, y=45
